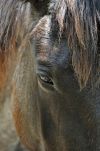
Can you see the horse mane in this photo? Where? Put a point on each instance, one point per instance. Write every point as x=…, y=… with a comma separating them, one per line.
x=14, y=20
x=80, y=19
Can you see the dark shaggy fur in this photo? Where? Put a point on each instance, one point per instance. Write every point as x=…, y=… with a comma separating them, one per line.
x=80, y=19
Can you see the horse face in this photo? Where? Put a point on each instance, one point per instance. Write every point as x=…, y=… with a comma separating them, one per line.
x=55, y=115
x=63, y=106
x=49, y=110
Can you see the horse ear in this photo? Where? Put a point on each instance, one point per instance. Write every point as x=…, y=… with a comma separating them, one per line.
x=41, y=6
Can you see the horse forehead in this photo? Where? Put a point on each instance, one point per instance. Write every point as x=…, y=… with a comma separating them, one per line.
x=56, y=53
x=48, y=43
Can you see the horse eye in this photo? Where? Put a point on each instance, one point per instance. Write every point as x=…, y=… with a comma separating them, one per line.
x=46, y=79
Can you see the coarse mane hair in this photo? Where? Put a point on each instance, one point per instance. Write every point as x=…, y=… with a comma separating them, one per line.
x=14, y=28
x=80, y=19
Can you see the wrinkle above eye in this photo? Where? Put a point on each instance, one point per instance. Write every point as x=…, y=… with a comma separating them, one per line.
x=44, y=68
x=44, y=64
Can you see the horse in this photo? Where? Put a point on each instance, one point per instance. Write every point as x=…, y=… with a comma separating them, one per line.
x=52, y=70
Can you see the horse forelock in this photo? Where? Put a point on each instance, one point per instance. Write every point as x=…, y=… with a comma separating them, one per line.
x=79, y=18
